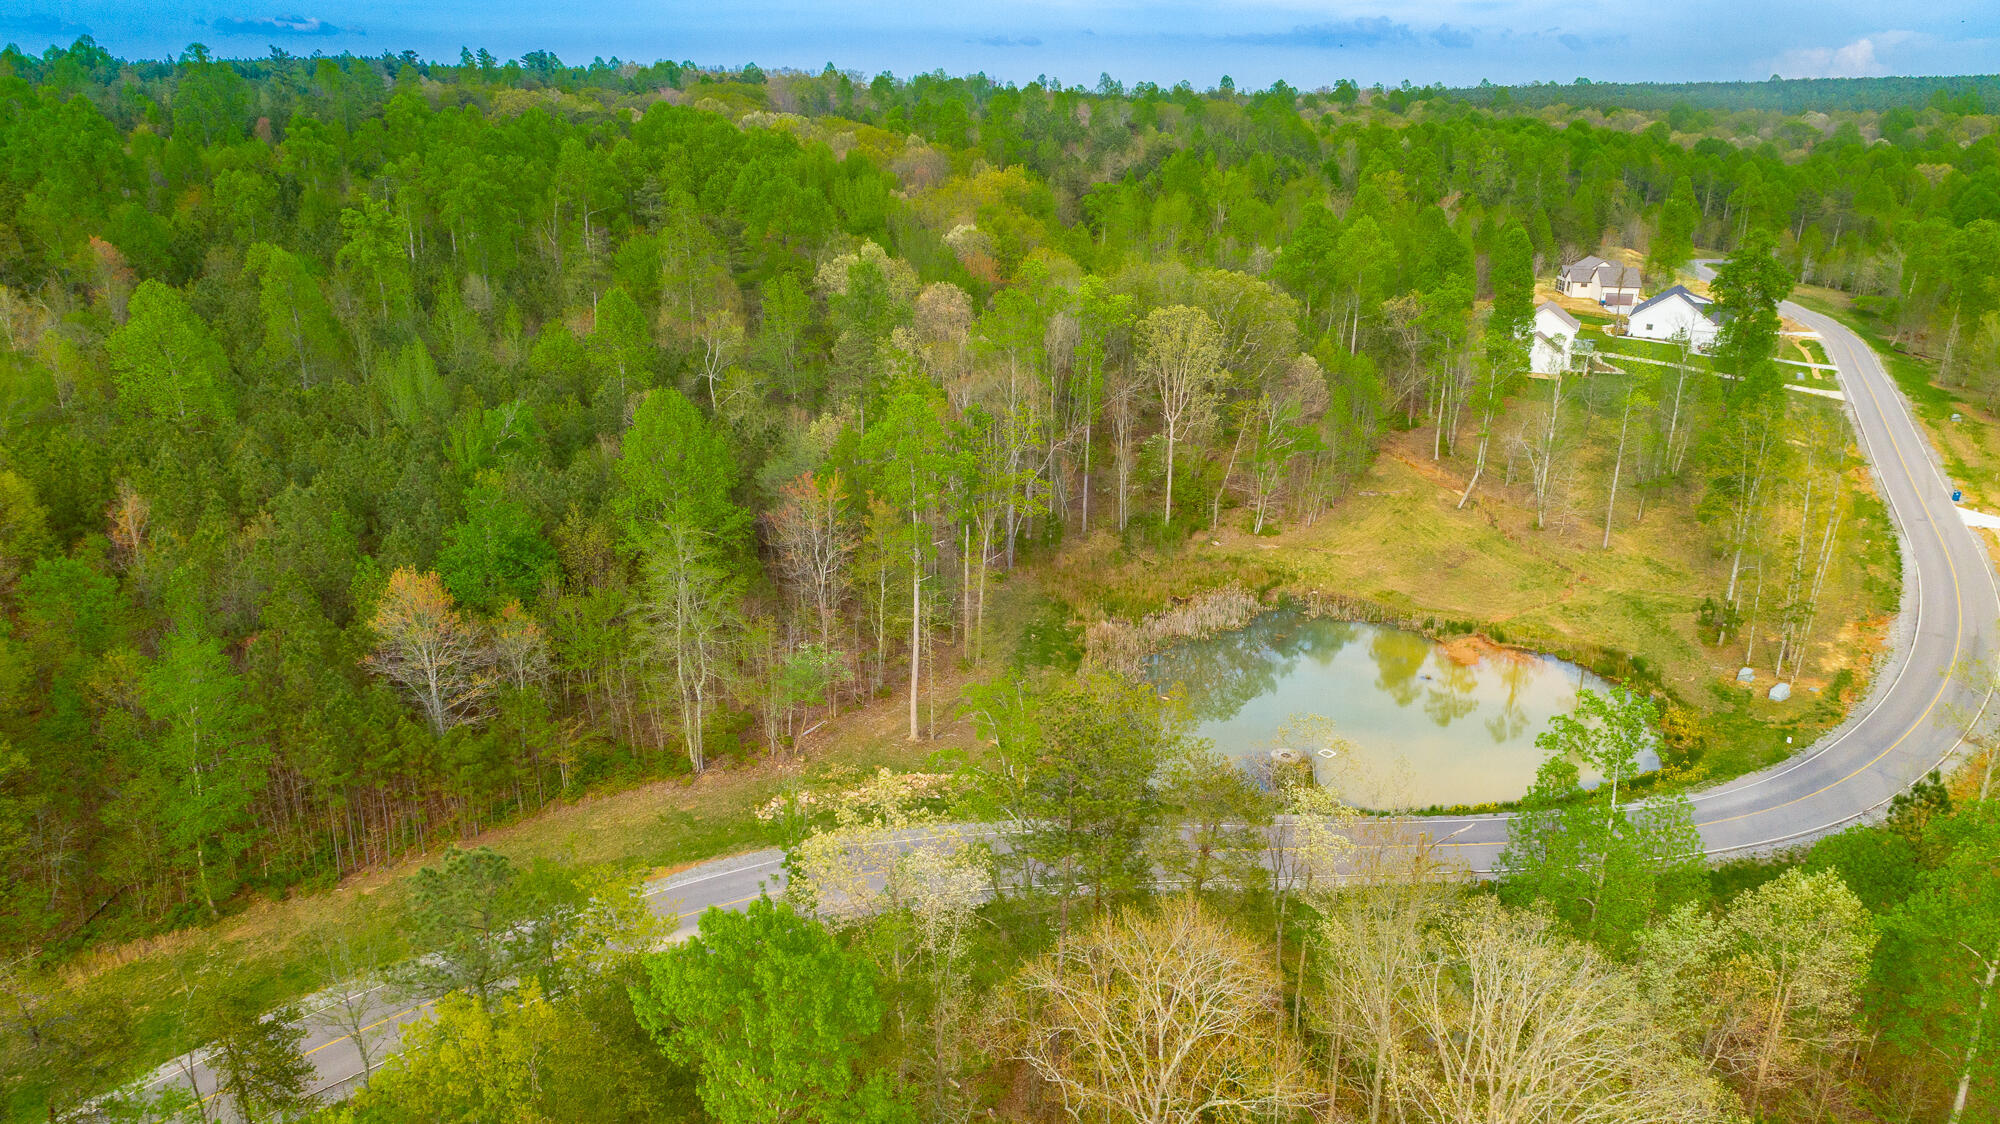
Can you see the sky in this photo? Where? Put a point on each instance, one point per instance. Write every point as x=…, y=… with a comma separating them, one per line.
x=1256, y=42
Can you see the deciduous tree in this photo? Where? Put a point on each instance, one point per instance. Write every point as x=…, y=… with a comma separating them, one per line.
x=1604, y=869
x=772, y=1014
x=1213, y=830
x=1089, y=795
x=691, y=625
x=1769, y=989
x=256, y=1057
x=168, y=363
x=1166, y=1018
x=814, y=545
x=1181, y=352
x=427, y=648
x=1516, y=1022
x=1938, y=969
x=496, y=554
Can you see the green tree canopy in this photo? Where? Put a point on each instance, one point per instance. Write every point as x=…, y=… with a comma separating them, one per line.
x=773, y=1015
x=1090, y=796
x=496, y=554
x=1938, y=966
x=168, y=363
x=1606, y=869
x=1748, y=288
x=675, y=467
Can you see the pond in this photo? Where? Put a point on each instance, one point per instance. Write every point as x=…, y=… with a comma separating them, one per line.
x=1430, y=724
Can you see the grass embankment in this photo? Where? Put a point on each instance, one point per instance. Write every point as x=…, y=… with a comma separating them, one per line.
x=1964, y=431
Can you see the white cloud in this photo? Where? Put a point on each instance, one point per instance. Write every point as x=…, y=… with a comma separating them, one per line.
x=1855, y=60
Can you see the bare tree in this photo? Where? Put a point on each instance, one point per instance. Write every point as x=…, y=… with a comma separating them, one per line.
x=1124, y=384
x=1752, y=450
x=720, y=335
x=943, y=881
x=424, y=646
x=1519, y=1022
x=689, y=616
x=1282, y=422
x=1824, y=447
x=127, y=520
x=814, y=545
x=520, y=648
x=353, y=997
x=942, y=323
x=1634, y=399
x=1305, y=847
x=1167, y=1018
x=1677, y=391
x=1544, y=445
x=1372, y=940
x=1491, y=388
x=1181, y=351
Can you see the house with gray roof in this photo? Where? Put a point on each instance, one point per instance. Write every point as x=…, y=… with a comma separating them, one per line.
x=1593, y=279
x=1672, y=314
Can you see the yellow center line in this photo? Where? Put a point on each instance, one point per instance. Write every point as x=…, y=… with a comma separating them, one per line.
x=369, y=1027
x=1958, y=617
x=1958, y=636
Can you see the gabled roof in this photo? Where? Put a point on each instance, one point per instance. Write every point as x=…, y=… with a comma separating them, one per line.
x=1699, y=302
x=1581, y=270
x=1561, y=313
x=1605, y=273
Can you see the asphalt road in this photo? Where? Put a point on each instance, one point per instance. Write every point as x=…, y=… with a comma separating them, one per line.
x=1908, y=724
x=1911, y=720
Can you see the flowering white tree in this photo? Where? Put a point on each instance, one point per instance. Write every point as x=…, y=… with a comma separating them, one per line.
x=887, y=857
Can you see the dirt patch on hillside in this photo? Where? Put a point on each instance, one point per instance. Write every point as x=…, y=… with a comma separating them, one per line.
x=1469, y=651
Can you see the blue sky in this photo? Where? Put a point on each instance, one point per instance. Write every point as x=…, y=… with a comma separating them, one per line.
x=1308, y=44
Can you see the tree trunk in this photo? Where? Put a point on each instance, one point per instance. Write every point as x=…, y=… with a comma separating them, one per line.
x=1973, y=1044
x=916, y=625
x=1479, y=457
x=1085, y=497
x=1617, y=466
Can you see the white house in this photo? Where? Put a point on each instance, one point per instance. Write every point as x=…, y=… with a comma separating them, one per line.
x=1594, y=279
x=1552, y=350
x=1671, y=314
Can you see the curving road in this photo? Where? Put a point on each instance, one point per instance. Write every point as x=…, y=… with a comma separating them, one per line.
x=1911, y=720
x=1904, y=728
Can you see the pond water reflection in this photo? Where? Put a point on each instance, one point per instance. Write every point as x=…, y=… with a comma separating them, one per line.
x=1430, y=726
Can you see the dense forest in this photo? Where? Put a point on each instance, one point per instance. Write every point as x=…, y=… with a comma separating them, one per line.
x=391, y=448
x=1956, y=94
